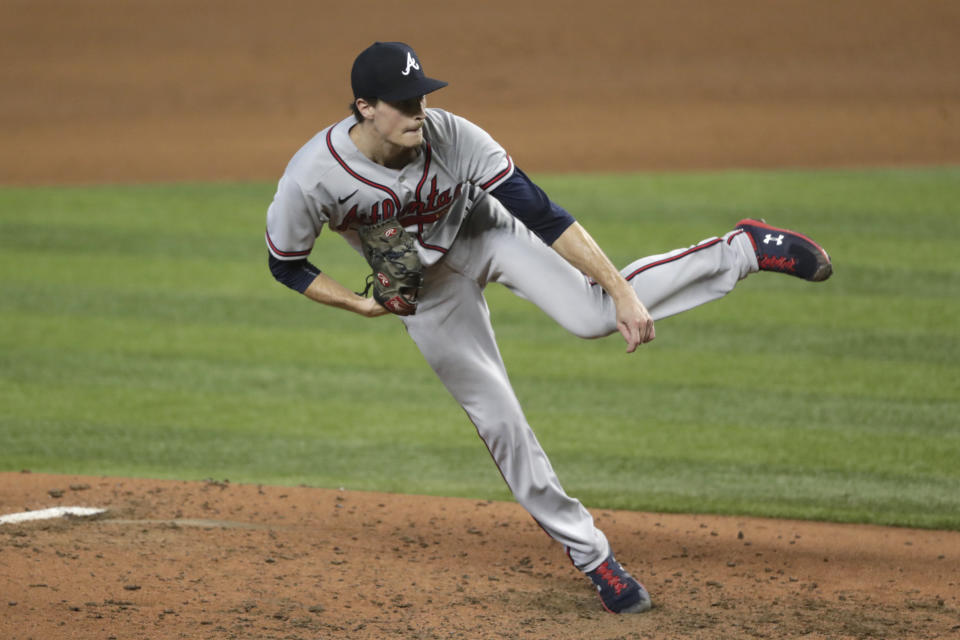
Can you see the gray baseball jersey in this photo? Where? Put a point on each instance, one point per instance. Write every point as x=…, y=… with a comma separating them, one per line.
x=330, y=182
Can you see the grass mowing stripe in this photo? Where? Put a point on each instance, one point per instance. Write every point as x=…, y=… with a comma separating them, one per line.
x=145, y=337
x=752, y=373
x=30, y=305
x=706, y=364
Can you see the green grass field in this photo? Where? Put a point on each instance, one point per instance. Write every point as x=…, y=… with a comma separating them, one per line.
x=141, y=334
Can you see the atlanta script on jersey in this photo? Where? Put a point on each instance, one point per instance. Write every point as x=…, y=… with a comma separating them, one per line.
x=330, y=182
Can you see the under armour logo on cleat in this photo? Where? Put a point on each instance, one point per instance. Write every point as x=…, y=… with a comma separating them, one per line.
x=770, y=238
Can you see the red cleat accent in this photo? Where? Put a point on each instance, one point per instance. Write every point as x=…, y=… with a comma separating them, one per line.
x=785, y=251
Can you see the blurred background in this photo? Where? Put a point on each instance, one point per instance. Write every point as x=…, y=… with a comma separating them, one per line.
x=104, y=91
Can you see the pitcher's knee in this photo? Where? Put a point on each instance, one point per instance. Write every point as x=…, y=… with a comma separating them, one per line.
x=588, y=325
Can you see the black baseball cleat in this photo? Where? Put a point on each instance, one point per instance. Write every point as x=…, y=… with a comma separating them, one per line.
x=619, y=591
x=787, y=251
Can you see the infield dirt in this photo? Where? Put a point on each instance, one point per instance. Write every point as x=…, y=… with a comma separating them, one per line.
x=218, y=560
x=114, y=91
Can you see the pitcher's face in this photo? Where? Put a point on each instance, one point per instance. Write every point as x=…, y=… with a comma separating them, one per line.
x=399, y=123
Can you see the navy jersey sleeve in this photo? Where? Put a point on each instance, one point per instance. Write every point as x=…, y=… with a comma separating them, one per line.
x=296, y=274
x=531, y=206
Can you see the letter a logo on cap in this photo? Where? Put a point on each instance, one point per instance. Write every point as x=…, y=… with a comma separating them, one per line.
x=411, y=64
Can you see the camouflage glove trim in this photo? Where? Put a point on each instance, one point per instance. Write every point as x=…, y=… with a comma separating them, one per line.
x=397, y=273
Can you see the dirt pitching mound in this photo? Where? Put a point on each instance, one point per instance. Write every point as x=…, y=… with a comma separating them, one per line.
x=218, y=560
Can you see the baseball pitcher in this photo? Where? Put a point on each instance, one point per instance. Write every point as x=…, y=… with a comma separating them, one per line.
x=439, y=210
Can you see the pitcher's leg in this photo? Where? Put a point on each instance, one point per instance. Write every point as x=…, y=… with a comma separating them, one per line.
x=452, y=329
x=679, y=280
x=667, y=283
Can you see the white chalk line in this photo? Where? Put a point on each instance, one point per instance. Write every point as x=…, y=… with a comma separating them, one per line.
x=84, y=512
x=52, y=512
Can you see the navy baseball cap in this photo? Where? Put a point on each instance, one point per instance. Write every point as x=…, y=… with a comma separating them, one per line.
x=390, y=71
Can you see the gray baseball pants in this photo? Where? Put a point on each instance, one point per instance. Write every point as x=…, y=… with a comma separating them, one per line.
x=453, y=331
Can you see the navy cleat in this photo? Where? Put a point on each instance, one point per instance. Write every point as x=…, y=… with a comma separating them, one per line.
x=787, y=251
x=619, y=591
